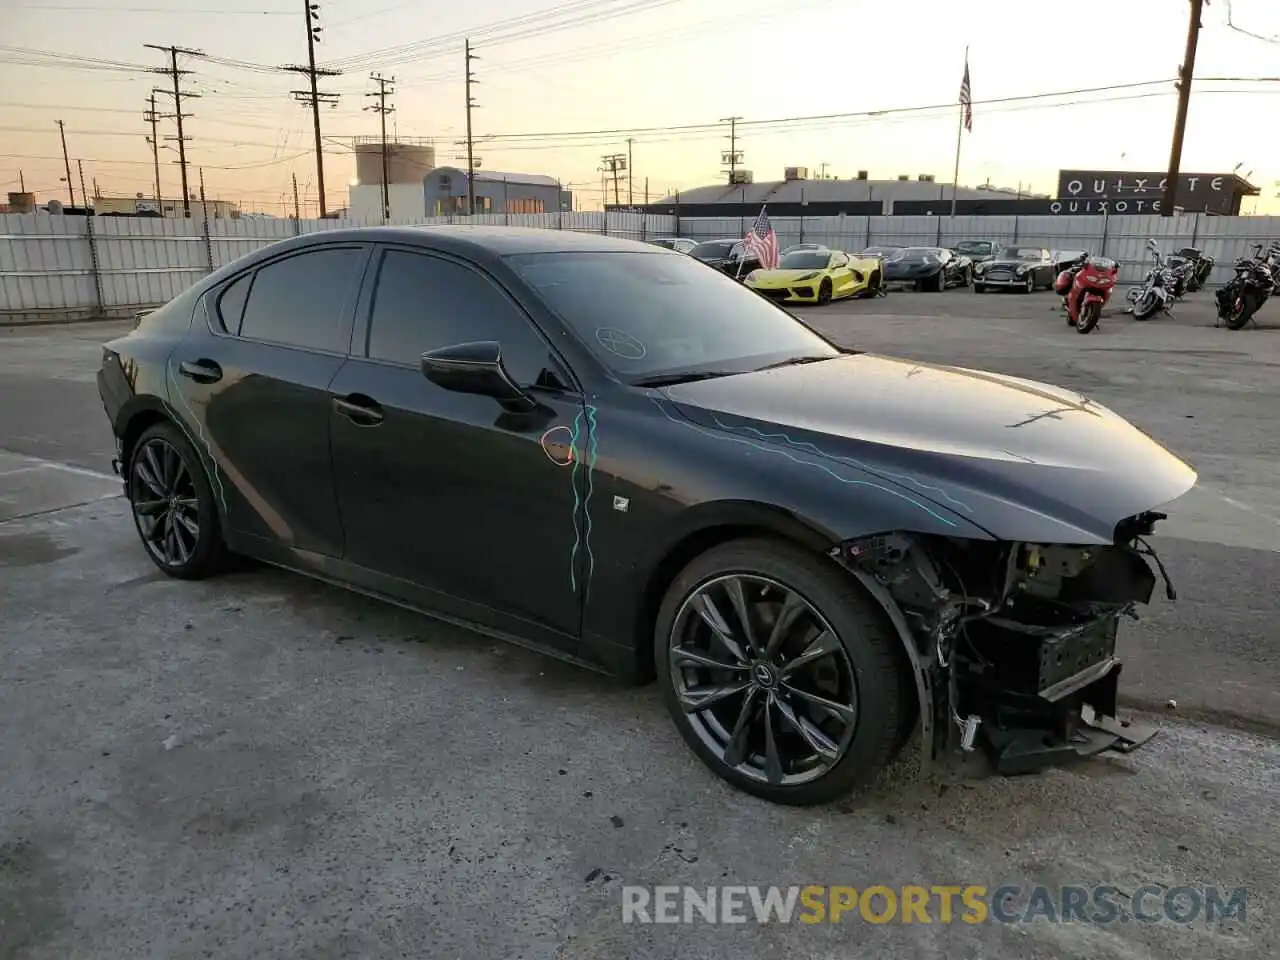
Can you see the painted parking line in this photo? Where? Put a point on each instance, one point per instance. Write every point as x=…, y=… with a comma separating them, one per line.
x=31, y=486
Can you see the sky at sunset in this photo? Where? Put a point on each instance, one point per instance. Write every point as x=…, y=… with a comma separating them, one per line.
x=663, y=72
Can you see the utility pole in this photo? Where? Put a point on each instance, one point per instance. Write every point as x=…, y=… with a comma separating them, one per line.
x=314, y=97
x=630, y=173
x=614, y=163
x=381, y=108
x=471, y=104
x=204, y=207
x=71, y=190
x=22, y=182
x=151, y=117
x=1180, y=121
x=83, y=192
x=733, y=156
x=297, y=214
x=178, y=93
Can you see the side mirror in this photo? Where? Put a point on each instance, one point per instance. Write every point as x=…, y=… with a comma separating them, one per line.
x=476, y=368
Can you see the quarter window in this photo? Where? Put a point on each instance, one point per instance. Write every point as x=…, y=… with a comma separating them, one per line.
x=231, y=303
x=304, y=300
x=423, y=303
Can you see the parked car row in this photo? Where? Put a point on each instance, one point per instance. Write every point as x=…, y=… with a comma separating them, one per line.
x=813, y=272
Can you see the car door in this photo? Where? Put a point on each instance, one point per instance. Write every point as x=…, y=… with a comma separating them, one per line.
x=254, y=380
x=447, y=491
x=841, y=275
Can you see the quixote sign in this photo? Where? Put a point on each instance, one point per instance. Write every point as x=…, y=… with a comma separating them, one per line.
x=1215, y=192
x=1070, y=205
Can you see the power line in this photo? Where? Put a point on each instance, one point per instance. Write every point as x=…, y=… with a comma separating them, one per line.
x=382, y=110
x=311, y=11
x=176, y=75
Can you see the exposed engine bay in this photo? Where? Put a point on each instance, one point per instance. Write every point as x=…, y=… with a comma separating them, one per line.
x=1014, y=644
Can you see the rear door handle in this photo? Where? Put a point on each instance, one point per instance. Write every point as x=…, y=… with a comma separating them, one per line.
x=362, y=411
x=201, y=371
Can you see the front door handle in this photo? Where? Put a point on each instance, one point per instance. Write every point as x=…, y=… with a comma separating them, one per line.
x=201, y=371
x=362, y=411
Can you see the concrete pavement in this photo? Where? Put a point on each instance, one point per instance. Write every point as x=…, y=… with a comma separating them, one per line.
x=262, y=766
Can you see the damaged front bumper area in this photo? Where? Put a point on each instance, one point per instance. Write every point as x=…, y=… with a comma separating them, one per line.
x=1013, y=645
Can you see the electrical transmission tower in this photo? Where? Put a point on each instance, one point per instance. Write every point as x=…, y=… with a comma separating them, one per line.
x=380, y=107
x=314, y=97
x=613, y=164
x=178, y=95
x=733, y=156
x=471, y=157
x=153, y=118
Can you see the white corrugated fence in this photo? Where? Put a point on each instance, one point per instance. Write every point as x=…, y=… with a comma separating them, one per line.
x=72, y=268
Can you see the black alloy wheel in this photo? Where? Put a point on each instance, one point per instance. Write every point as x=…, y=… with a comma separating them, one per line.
x=173, y=507
x=780, y=673
x=824, y=292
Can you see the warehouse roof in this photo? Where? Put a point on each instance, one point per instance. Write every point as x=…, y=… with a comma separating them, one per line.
x=497, y=176
x=798, y=191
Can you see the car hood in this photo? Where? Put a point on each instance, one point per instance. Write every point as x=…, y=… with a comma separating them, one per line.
x=1020, y=459
x=1010, y=264
x=904, y=265
x=785, y=276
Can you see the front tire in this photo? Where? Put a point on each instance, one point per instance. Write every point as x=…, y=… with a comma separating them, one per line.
x=781, y=674
x=1089, y=316
x=979, y=287
x=1030, y=286
x=1145, y=307
x=173, y=507
x=824, y=293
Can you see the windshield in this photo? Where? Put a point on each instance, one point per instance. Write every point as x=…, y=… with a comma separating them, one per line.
x=1020, y=253
x=921, y=253
x=805, y=260
x=973, y=246
x=713, y=248
x=886, y=252
x=665, y=315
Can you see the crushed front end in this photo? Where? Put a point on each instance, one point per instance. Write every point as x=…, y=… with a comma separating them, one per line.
x=1014, y=644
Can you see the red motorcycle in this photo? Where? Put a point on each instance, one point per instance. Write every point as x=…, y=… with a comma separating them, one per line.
x=1086, y=286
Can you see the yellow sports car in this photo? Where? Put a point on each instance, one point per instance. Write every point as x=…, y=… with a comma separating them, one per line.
x=818, y=276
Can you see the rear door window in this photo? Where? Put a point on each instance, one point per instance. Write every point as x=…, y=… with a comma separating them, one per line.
x=305, y=300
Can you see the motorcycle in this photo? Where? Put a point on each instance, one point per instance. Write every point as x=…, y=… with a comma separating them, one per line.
x=1254, y=282
x=1183, y=270
x=1156, y=291
x=1087, y=285
x=1202, y=268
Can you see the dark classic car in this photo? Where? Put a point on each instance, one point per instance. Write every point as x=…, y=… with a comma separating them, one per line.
x=1016, y=267
x=729, y=256
x=925, y=268
x=810, y=548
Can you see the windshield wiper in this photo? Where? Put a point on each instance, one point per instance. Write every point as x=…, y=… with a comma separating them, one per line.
x=792, y=362
x=689, y=376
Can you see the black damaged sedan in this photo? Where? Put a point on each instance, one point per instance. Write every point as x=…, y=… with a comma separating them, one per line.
x=813, y=550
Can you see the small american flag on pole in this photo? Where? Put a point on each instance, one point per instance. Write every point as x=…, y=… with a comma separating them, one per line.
x=763, y=242
x=966, y=98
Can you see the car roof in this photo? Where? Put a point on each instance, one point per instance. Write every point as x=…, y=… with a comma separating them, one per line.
x=467, y=239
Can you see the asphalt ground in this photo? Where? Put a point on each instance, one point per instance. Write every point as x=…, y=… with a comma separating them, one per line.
x=262, y=766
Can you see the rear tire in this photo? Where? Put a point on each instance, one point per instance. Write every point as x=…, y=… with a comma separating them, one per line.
x=174, y=510
x=852, y=662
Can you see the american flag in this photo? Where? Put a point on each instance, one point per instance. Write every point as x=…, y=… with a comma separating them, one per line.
x=966, y=98
x=763, y=242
